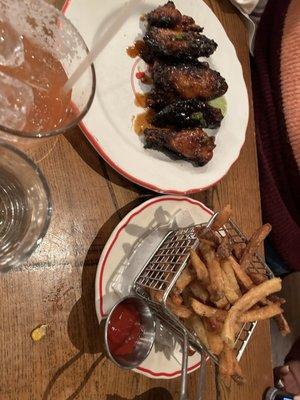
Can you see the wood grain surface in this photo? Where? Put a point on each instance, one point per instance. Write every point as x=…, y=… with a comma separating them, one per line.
x=56, y=285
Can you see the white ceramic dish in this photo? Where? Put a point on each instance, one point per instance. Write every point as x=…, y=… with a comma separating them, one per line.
x=136, y=225
x=108, y=125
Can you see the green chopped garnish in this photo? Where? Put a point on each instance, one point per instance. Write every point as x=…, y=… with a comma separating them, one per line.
x=178, y=36
x=198, y=117
x=219, y=102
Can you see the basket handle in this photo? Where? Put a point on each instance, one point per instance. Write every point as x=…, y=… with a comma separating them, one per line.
x=183, y=390
x=202, y=371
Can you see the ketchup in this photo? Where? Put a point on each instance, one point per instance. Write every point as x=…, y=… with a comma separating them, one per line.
x=124, y=330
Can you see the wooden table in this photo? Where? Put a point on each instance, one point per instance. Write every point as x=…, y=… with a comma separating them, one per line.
x=56, y=286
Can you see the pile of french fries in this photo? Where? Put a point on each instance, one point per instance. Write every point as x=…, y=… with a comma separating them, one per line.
x=218, y=292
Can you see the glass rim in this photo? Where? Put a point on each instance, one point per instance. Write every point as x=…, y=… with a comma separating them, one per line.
x=73, y=123
x=48, y=196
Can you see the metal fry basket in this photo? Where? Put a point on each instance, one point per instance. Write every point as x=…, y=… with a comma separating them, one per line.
x=165, y=265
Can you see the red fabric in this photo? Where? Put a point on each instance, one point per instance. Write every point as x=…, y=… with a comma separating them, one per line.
x=279, y=174
x=290, y=67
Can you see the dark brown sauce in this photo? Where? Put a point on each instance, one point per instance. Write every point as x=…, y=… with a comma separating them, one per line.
x=141, y=100
x=142, y=121
x=136, y=49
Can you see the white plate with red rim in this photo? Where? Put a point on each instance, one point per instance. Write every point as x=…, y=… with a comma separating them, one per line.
x=125, y=236
x=108, y=124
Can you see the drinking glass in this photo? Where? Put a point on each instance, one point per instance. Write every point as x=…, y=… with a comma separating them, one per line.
x=25, y=206
x=45, y=26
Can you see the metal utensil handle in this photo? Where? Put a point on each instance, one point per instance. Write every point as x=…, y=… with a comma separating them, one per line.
x=201, y=382
x=183, y=390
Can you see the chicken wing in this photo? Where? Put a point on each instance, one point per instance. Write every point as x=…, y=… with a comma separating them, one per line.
x=189, y=113
x=179, y=45
x=191, y=144
x=158, y=99
x=188, y=80
x=167, y=16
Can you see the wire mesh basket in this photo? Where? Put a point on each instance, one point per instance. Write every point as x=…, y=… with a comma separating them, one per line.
x=165, y=265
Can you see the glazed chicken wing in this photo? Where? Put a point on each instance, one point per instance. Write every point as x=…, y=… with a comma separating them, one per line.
x=188, y=24
x=189, y=80
x=189, y=113
x=191, y=144
x=158, y=99
x=180, y=45
x=167, y=16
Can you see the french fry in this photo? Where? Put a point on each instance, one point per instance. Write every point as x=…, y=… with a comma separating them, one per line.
x=204, y=248
x=227, y=268
x=215, y=275
x=282, y=324
x=220, y=303
x=186, y=296
x=199, y=291
x=276, y=299
x=176, y=298
x=226, y=361
x=199, y=267
x=261, y=313
x=248, y=300
x=229, y=366
x=238, y=375
x=207, y=311
x=255, y=241
x=183, y=281
x=213, y=324
x=156, y=295
x=222, y=218
x=207, y=236
x=238, y=327
x=181, y=311
x=240, y=274
x=258, y=277
x=229, y=290
x=207, y=242
x=215, y=343
x=199, y=329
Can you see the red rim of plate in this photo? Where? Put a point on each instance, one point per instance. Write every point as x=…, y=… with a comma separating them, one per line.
x=130, y=177
x=110, y=244
x=65, y=6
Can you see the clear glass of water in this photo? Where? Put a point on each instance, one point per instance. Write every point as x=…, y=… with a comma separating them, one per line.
x=25, y=206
